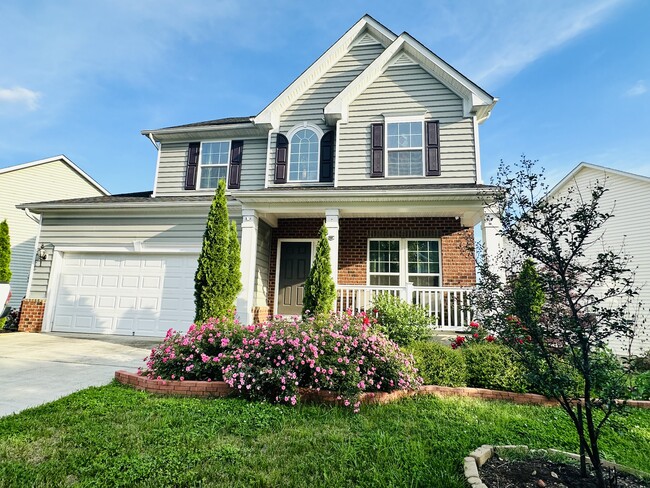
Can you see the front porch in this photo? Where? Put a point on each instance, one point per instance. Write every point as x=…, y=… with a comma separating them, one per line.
x=416, y=249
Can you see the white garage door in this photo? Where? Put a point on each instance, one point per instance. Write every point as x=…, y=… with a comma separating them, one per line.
x=125, y=293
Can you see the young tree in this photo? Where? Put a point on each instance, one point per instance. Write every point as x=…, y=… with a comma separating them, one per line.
x=320, y=289
x=217, y=280
x=5, y=258
x=563, y=297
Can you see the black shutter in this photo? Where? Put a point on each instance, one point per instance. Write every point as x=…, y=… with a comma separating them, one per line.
x=236, y=151
x=432, y=149
x=377, y=160
x=281, y=150
x=192, y=165
x=327, y=156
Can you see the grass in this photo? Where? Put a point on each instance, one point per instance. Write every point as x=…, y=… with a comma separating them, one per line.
x=115, y=436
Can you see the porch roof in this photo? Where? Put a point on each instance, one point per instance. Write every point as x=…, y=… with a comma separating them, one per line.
x=465, y=202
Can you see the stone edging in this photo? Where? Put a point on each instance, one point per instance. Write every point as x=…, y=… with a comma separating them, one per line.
x=479, y=456
x=205, y=389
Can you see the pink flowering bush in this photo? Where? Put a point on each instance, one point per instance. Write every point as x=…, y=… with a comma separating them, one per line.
x=344, y=353
x=197, y=354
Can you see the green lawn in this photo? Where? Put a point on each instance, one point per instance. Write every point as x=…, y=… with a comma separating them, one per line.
x=115, y=436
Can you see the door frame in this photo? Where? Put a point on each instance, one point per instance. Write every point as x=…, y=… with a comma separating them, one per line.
x=277, y=265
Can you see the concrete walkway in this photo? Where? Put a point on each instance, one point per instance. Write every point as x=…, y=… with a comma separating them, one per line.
x=40, y=368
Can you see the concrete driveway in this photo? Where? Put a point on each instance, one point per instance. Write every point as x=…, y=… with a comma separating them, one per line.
x=40, y=368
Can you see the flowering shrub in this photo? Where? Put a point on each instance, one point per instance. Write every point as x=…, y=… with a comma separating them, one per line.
x=196, y=355
x=345, y=354
x=340, y=353
x=475, y=334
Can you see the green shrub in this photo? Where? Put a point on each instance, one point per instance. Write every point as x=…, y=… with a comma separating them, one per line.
x=438, y=364
x=494, y=366
x=641, y=386
x=400, y=321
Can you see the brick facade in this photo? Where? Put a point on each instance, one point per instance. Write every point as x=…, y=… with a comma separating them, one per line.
x=457, y=263
x=31, y=315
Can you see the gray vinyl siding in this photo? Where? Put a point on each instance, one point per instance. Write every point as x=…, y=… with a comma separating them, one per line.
x=309, y=107
x=263, y=265
x=173, y=158
x=60, y=230
x=627, y=199
x=404, y=90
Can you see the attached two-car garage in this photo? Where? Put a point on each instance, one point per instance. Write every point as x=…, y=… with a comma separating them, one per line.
x=126, y=294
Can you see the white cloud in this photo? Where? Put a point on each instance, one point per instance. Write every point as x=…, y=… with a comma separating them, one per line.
x=20, y=95
x=639, y=88
x=502, y=38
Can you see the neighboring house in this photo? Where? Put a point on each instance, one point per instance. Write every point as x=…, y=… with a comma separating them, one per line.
x=46, y=179
x=627, y=198
x=378, y=138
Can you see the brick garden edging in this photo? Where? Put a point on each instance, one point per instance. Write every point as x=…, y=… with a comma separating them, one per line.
x=207, y=389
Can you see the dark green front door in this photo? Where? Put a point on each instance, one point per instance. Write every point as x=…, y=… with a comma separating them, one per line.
x=295, y=261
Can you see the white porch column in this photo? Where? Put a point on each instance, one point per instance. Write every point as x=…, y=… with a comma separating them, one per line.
x=492, y=241
x=248, y=268
x=332, y=224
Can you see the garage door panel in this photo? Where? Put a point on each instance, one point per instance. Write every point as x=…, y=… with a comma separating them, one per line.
x=125, y=294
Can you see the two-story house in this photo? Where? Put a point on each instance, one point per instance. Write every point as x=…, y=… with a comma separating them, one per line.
x=378, y=139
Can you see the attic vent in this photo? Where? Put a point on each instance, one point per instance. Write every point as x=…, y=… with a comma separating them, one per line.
x=366, y=40
x=403, y=59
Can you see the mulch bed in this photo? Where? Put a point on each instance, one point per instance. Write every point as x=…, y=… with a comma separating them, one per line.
x=539, y=473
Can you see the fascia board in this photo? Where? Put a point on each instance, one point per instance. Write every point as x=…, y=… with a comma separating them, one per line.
x=271, y=113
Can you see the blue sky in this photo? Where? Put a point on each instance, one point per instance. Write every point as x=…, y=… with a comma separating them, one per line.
x=83, y=78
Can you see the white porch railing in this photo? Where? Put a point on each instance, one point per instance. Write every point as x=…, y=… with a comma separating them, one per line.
x=448, y=307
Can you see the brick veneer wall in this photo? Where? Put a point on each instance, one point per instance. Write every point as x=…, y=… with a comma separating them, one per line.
x=457, y=263
x=31, y=315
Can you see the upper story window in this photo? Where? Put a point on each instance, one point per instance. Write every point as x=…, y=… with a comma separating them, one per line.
x=405, y=148
x=213, y=165
x=304, y=153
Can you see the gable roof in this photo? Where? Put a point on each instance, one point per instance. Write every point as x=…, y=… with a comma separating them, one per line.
x=62, y=158
x=475, y=100
x=596, y=167
x=271, y=113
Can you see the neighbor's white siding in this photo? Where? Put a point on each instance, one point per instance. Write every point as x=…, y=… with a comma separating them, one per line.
x=309, y=107
x=48, y=181
x=173, y=159
x=407, y=89
x=628, y=199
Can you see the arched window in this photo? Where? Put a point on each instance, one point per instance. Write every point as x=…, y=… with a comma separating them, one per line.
x=304, y=148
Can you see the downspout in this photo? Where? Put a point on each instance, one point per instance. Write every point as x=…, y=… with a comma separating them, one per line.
x=158, y=148
x=268, y=159
x=39, y=221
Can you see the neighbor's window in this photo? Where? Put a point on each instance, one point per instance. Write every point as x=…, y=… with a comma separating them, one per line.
x=404, y=148
x=303, y=156
x=214, y=163
x=394, y=262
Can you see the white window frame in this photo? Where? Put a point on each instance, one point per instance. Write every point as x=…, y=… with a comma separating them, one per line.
x=200, y=165
x=319, y=134
x=397, y=120
x=403, y=259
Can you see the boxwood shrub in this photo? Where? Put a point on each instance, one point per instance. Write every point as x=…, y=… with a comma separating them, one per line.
x=493, y=366
x=438, y=364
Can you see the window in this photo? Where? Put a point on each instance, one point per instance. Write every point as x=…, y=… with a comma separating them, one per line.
x=394, y=262
x=404, y=146
x=303, y=155
x=383, y=263
x=213, y=163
